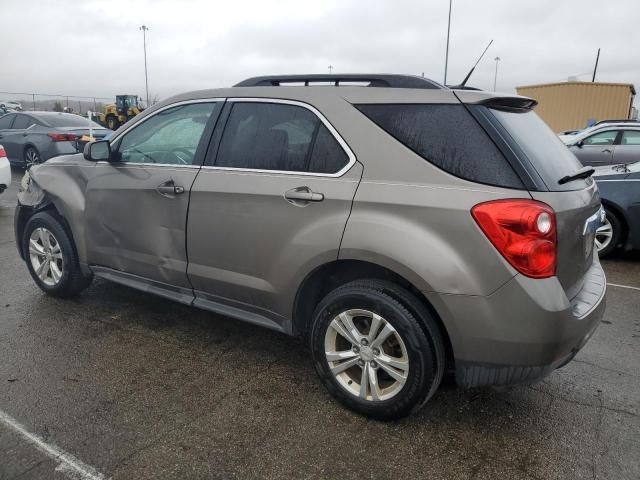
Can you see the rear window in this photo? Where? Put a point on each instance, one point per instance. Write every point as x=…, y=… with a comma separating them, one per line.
x=547, y=154
x=448, y=137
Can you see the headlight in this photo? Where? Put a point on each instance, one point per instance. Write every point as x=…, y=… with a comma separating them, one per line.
x=26, y=181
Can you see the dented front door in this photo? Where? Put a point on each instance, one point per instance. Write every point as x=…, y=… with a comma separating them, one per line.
x=137, y=203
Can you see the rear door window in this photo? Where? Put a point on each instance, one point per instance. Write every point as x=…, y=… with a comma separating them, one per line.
x=448, y=137
x=280, y=137
x=22, y=121
x=6, y=121
x=547, y=154
x=630, y=137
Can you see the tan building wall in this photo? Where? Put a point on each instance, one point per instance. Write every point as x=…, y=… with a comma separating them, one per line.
x=570, y=105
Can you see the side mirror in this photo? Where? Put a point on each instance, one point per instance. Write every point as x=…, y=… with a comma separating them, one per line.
x=98, y=151
x=579, y=144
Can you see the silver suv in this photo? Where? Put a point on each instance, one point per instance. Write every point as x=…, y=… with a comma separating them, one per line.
x=403, y=229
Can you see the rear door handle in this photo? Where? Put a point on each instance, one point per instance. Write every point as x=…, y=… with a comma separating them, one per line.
x=303, y=195
x=169, y=189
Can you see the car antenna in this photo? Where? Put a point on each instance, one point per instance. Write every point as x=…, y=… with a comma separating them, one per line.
x=464, y=82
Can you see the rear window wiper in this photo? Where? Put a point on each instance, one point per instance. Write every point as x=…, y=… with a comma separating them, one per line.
x=584, y=172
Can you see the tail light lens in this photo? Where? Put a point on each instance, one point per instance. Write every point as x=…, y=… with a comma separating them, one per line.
x=3, y=152
x=62, y=137
x=523, y=231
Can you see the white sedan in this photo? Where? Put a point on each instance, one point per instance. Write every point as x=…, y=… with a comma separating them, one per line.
x=5, y=170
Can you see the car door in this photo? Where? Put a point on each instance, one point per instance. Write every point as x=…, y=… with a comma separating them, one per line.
x=271, y=206
x=629, y=149
x=136, y=204
x=6, y=136
x=597, y=149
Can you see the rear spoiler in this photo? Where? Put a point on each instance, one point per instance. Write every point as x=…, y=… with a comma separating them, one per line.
x=513, y=103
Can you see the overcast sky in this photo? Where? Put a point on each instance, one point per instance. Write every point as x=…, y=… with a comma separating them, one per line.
x=94, y=47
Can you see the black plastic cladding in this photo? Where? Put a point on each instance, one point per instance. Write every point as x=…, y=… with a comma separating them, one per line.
x=375, y=80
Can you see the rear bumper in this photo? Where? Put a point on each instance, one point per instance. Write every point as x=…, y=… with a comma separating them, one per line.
x=523, y=331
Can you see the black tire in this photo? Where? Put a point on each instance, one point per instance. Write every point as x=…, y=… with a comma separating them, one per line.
x=415, y=326
x=112, y=122
x=31, y=156
x=72, y=281
x=617, y=230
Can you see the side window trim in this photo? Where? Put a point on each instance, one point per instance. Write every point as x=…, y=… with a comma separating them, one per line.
x=206, y=134
x=210, y=163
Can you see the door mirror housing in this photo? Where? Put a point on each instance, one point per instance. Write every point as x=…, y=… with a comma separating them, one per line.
x=98, y=151
x=579, y=144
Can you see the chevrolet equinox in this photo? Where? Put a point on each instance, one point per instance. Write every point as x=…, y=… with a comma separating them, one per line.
x=403, y=229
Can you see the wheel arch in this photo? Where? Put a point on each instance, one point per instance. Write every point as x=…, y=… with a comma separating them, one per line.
x=620, y=212
x=329, y=276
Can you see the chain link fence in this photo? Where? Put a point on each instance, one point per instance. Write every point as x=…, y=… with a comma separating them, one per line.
x=31, y=101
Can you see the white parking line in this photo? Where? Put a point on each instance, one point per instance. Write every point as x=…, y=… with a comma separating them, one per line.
x=68, y=463
x=623, y=286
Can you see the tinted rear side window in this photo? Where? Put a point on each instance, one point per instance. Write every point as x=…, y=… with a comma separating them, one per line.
x=448, y=137
x=6, y=121
x=548, y=155
x=271, y=136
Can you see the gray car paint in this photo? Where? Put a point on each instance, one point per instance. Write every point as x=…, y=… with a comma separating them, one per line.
x=16, y=141
x=407, y=216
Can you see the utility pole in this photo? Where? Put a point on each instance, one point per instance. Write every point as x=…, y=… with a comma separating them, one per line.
x=446, y=55
x=144, y=29
x=495, y=77
x=595, y=69
x=330, y=69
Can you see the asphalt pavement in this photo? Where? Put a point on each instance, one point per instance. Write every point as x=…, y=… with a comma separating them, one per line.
x=121, y=384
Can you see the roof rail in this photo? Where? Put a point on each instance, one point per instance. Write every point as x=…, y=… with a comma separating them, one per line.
x=617, y=121
x=373, y=80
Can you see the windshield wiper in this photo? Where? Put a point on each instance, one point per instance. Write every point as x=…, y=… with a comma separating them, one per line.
x=584, y=172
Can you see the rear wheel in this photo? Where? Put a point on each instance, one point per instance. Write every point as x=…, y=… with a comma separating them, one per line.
x=31, y=157
x=371, y=351
x=609, y=235
x=51, y=257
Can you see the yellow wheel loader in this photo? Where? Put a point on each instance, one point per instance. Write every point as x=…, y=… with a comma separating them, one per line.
x=115, y=114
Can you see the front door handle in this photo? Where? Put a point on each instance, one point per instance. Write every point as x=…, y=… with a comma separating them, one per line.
x=606, y=150
x=169, y=189
x=303, y=195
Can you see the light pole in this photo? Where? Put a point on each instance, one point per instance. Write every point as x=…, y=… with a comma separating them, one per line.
x=495, y=77
x=144, y=29
x=330, y=67
x=446, y=55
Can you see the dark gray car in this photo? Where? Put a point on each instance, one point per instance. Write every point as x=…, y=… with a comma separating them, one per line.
x=610, y=144
x=619, y=187
x=35, y=137
x=403, y=229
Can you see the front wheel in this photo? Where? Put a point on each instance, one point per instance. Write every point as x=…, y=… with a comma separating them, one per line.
x=373, y=353
x=51, y=257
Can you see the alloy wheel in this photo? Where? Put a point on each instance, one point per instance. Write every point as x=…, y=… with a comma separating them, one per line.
x=366, y=355
x=31, y=157
x=46, y=257
x=604, y=235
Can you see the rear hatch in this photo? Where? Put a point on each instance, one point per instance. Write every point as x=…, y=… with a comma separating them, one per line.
x=576, y=203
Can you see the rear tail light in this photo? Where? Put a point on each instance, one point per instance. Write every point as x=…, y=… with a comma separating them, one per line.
x=62, y=137
x=3, y=152
x=523, y=231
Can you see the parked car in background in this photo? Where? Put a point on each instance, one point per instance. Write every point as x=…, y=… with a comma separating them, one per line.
x=35, y=137
x=8, y=106
x=403, y=229
x=619, y=187
x=5, y=170
x=607, y=144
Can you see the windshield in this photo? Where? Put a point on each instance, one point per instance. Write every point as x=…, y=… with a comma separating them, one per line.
x=549, y=156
